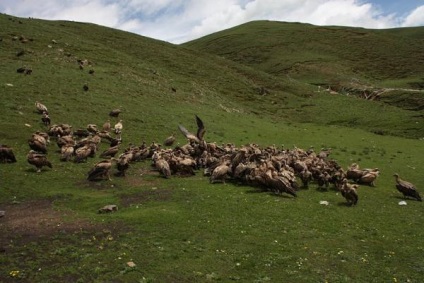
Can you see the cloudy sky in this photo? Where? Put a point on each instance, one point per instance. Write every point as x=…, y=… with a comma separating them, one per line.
x=179, y=21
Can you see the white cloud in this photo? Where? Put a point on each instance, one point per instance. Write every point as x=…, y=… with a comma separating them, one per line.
x=182, y=20
x=416, y=18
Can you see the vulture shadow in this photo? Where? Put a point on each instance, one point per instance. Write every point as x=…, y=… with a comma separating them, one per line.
x=405, y=199
x=343, y=203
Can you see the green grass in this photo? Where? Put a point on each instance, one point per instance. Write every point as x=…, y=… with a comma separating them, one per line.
x=185, y=229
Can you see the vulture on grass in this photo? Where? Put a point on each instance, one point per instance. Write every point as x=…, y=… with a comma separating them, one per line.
x=92, y=128
x=406, y=188
x=45, y=119
x=220, y=173
x=278, y=184
x=169, y=140
x=163, y=167
x=110, y=152
x=100, y=171
x=6, y=154
x=41, y=107
x=38, y=160
x=66, y=152
x=65, y=140
x=83, y=152
x=349, y=193
x=115, y=112
x=369, y=177
x=107, y=126
x=118, y=127
x=38, y=143
x=123, y=163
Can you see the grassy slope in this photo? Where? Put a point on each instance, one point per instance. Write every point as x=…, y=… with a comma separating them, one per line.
x=185, y=229
x=350, y=60
x=318, y=54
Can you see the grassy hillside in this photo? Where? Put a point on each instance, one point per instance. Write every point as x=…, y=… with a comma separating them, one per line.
x=185, y=229
x=323, y=54
x=349, y=61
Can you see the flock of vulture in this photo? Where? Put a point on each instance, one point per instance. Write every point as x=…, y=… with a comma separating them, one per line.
x=269, y=169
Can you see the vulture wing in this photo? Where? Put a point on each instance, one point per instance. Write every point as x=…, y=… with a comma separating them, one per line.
x=187, y=134
x=200, y=128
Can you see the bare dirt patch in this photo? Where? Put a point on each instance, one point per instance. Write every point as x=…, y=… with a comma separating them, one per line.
x=34, y=219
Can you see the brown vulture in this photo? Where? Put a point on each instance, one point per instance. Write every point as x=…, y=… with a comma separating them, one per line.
x=100, y=171
x=349, y=193
x=199, y=134
x=406, y=188
x=115, y=112
x=38, y=160
x=6, y=154
x=41, y=107
x=169, y=140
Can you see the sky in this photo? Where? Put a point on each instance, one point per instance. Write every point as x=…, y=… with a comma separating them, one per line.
x=179, y=21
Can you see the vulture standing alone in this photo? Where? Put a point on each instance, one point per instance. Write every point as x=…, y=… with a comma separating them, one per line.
x=406, y=188
x=6, y=154
x=115, y=113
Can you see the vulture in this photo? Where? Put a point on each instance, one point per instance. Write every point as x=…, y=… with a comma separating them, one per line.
x=38, y=160
x=220, y=173
x=41, y=107
x=65, y=140
x=123, y=163
x=406, y=188
x=83, y=152
x=349, y=192
x=118, y=127
x=100, y=171
x=278, y=184
x=106, y=126
x=81, y=133
x=163, y=166
x=169, y=140
x=66, y=152
x=115, y=112
x=369, y=177
x=38, y=143
x=92, y=128
x=6, y=154
x=199, y=134
x=21, y=70
x=306, y=177
x=110, y=152
x=45, y=119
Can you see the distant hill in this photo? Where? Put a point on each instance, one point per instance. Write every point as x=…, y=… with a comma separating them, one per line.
x=323, y=54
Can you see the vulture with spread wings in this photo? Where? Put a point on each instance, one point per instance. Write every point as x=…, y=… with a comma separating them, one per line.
x=200, y=131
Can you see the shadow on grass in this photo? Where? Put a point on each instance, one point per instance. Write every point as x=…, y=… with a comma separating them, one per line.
x=343, y=203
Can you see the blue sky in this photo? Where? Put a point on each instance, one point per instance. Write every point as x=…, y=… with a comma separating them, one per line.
x=179, y=21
